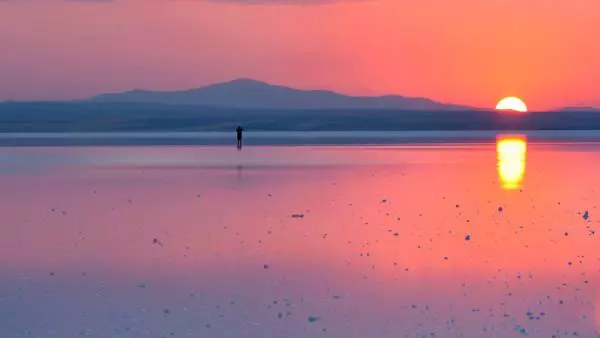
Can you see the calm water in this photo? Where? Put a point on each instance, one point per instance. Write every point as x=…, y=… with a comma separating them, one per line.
x=494, y=239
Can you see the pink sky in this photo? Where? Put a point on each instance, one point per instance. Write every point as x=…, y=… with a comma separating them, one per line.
x=463, y=51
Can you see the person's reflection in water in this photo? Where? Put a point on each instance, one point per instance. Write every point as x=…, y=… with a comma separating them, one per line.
x=239, y=130
x=512, y=156
x=239, y=170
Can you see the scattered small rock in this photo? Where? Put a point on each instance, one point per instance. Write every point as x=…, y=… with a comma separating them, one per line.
x=312, y=319
x=521, y=330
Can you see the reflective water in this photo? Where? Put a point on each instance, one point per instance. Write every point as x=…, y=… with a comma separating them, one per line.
x=464, y=240
x=512, y=159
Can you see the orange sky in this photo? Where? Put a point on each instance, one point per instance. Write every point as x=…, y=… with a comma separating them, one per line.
x=463, y=51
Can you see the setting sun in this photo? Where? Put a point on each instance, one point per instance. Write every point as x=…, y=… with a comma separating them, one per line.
x=513, y=104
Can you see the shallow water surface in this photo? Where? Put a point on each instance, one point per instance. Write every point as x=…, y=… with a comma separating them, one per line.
x=462, y=240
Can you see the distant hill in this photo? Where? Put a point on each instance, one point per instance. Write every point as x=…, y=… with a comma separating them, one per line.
x=251, y=94
x=580, y=108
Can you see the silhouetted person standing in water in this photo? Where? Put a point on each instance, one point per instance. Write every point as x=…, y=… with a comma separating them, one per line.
x=239, y=130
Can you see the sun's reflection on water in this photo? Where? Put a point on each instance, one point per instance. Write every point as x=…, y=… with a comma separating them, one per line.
x=512, y=157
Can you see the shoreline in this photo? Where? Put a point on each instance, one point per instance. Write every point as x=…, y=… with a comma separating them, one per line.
x=284, y=138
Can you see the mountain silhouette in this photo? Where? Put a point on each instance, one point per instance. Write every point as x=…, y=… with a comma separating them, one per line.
x=579, y=108
x=252, y=94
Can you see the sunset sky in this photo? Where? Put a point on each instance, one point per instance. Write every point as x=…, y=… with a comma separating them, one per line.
x=462, y=51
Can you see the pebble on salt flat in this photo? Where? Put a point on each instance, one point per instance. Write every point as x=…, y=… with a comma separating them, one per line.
x=312, y=319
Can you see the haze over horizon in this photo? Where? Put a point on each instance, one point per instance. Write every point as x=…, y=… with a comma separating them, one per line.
x=464, y=52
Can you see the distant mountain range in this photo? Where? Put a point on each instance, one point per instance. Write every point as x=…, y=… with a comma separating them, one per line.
x=259, y=106
x=252, y=94
x=580, y=108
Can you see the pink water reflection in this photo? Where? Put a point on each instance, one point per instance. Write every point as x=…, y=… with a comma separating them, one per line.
x=394, y=241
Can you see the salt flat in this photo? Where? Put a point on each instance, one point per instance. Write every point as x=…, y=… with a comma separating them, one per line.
x=309, y=241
